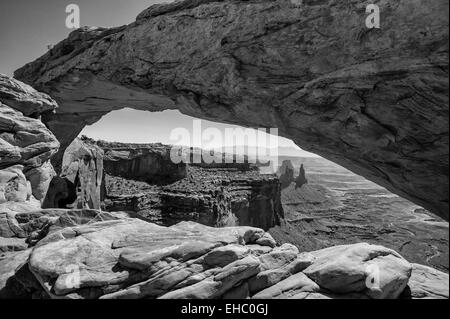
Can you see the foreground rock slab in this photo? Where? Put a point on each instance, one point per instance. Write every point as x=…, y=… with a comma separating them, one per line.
x=427, y=283
x=125, y=258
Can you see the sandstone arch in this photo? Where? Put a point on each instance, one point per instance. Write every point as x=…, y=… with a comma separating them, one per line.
x=374, y=101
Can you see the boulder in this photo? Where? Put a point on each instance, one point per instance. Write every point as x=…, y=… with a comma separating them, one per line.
x=210, y=196
x=24, y=98
x=26, y=145
x=111, y=255
x=286, y=174
x=23, y=220
x=301, y=178
x=291, y=286
x=40, y=179
x=377, y=271
x=91, y=255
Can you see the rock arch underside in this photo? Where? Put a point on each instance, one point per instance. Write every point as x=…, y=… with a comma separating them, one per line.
x=374, y=101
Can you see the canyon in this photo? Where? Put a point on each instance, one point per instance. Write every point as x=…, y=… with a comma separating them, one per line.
x=217, y=194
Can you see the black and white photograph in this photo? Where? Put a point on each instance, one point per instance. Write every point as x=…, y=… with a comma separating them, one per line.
x=225, y=155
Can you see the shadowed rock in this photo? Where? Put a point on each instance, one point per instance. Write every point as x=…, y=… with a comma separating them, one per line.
x=26, y=145
x=374, y=101
x=80, y=184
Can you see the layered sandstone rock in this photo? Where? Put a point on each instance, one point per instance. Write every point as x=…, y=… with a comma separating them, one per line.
x=301, y=178
x=10, y=287
x=80, y=184
x=286, y=174
x=26, y=145
x=23, y=140
x=91, y=254
x=427, y=283
x=193, y=261
x=372, y=100
x=21, y=227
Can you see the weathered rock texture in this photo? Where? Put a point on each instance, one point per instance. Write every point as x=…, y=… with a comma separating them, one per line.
x=372, y=100
x=21, y=227
x=24, y=140
x=80, y=184
x=24, y=98
x=427, y=283
x=301, y=178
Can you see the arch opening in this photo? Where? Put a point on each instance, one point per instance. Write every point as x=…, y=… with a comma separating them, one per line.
x=312, y=203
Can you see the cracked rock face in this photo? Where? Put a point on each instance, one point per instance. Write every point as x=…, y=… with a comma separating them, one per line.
x=374, y=101
x=26, y=144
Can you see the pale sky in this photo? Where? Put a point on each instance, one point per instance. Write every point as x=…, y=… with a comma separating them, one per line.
x=28, y=27
x=152, y=127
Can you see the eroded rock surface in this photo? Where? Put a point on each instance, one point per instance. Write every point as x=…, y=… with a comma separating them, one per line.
x=90, y=254
x=427, y=283
x=286, y=174
x=214, y=197
x=24, y=98
x=374, y=101
x=24, y=140
x=150, y=163
x=21, y=227
x=192, y=261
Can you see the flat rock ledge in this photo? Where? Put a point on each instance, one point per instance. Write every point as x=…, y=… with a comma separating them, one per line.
x=90, y=255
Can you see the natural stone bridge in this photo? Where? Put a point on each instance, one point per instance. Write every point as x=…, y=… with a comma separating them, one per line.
x=374, y=101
